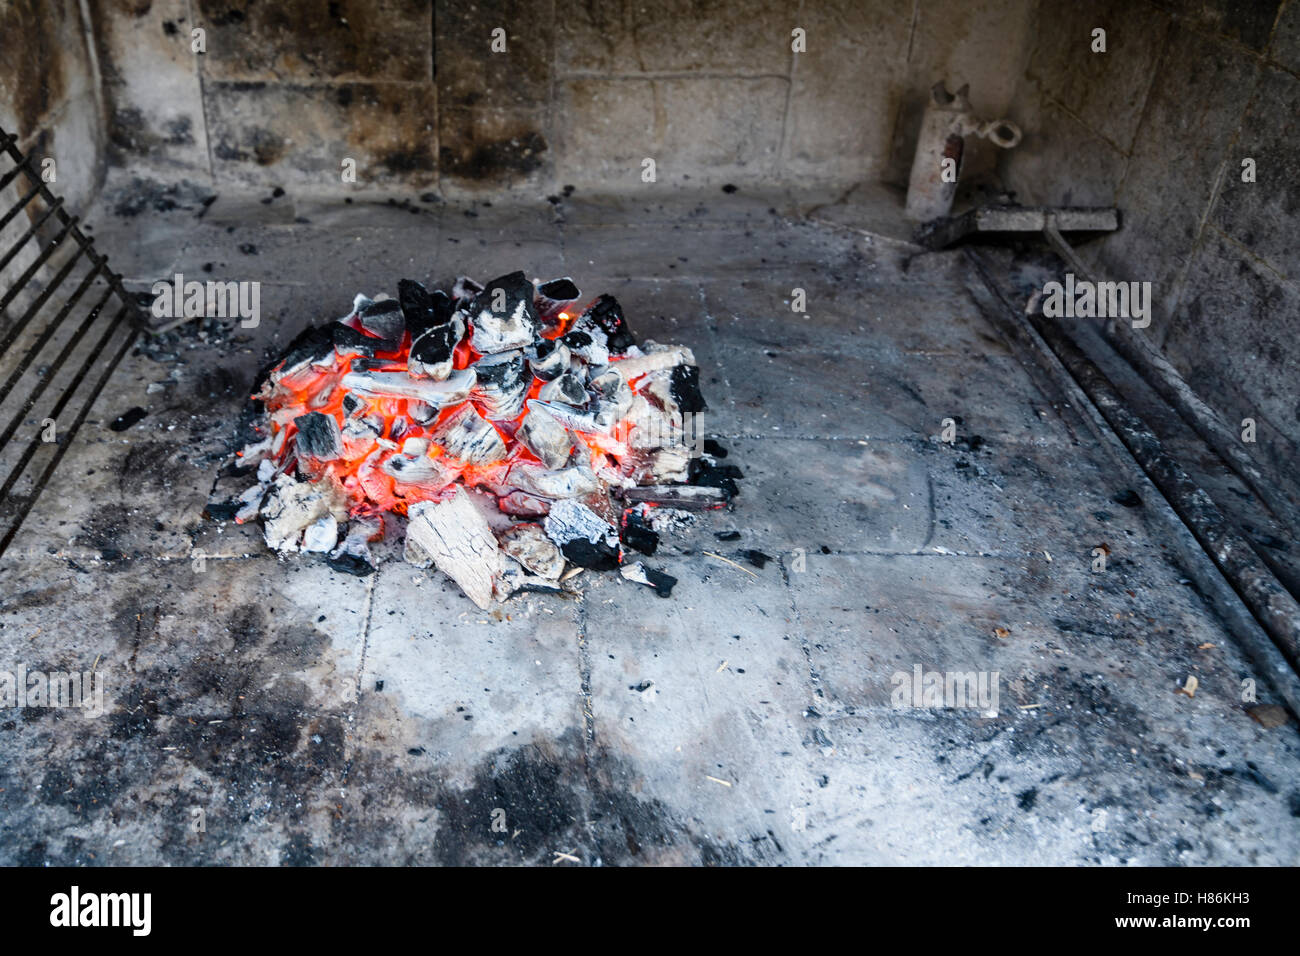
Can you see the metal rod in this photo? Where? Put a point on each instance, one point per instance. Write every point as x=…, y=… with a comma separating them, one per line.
x=31, y=231
x=31, y=270
x=115, y=279
x=18, y=327
x=10, y=176
x=40, y=343
x=19, y=207
x=1255, y=608
x=26, y=507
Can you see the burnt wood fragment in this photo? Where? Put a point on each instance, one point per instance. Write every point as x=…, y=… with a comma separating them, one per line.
x=318, y=436
x=607, y=314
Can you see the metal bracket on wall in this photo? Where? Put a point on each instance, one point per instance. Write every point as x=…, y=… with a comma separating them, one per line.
x=51, y=370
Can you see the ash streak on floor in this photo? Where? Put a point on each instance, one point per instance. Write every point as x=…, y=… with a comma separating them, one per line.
x=266, y=711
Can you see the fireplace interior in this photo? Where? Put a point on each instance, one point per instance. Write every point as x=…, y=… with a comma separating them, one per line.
x=905, y=463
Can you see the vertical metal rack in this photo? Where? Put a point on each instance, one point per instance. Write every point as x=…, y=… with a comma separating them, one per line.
x=51, y=369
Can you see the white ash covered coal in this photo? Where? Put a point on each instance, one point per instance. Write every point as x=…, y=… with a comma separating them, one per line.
x=514, y=436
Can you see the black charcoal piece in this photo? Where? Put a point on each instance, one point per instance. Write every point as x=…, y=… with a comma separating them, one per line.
x=638, y=534
x=351, y=404
x=502, y=384
x=723, y=477
x=684, y=386
x=502, y=315
x=553, y=297
x=385, y=320
x=349, y=342
x=552, y=360
x=712, y=447
x=757, y=558
x=222, y=510
x=562, y=290
x=351, y=564
x=421, y=308
x=593, y=556
x=318, y=436
x=727, y=535
x=312, y=344
x=608, y=316
x=1128, y=498
x=433, y=352
x=567, y=388
x=576, y=340
x=660, y=581
x=127, y=419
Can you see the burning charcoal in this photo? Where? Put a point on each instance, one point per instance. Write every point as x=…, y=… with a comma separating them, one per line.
x=318, y=437
x=650, y=427
x=655, y=358
x=594, y=422
x=614, y=390
x=554, y=297
x=538, y=480
x=421, y=308
x=433, y=353
x=502, y=315
x=552, y=360
x=588, y=345
x=310, y=346
x=607, y=315
x=638, y=572
x=523, y=505
x=439, y=394
x=455, y=537
x=321, y=535
x=293, y=505
x=384, y=320
x=546, y=438
x=638, y=534
x=466, y=437
x=349, y=343
x=419, y=470
x=465, y=289
x=529, y=545
x=567, y=388
x=570, y=519
x=596, y=556
x=502, y=384
x=359, y=435
x=421, y=413
x=686, y=389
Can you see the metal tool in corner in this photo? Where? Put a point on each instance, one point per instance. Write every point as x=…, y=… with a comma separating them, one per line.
x=936, y=167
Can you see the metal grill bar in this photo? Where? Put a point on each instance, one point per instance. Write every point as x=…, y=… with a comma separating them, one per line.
x=35, y=373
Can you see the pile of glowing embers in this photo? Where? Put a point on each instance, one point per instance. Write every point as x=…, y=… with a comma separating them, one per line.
x=520, y=436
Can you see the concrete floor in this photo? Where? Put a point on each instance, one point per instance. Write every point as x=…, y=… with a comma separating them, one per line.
x=272, y=711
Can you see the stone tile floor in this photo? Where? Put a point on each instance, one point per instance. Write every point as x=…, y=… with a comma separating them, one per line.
x=272, y=711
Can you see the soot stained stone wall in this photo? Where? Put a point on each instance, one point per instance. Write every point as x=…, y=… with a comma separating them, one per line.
x=583, y=92
x=1160, y=126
